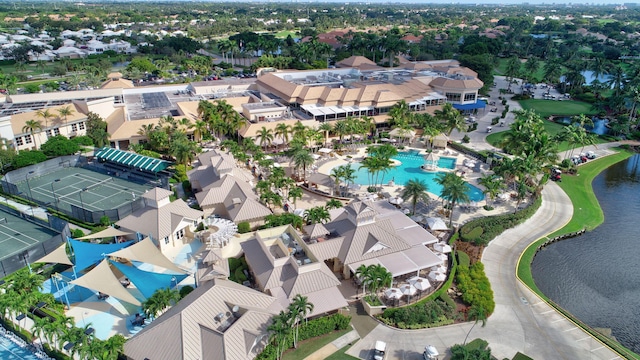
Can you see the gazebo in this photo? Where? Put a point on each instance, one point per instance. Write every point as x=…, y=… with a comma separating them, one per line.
x=440, y=141
x=430, y=162
x=402, y=133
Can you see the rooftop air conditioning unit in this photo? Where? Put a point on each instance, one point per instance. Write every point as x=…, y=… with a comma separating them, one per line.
x=236, y=201
x=219, y=317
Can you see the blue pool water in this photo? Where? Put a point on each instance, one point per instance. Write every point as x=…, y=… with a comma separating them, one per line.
x=11, y=351
x=409, y=169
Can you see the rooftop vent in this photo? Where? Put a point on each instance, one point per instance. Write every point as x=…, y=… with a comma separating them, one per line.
x=236, y=201
x=219, y=317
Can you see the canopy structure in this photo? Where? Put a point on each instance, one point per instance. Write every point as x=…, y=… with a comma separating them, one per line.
x=436, y=224
x=145, y=251
x=141, y=162
x=325, y=150
x=87, y=254
x=106, y=233
x=476, y=105
x=148, y=282
x=57, y=256
x=102, y=279
x=402, y=133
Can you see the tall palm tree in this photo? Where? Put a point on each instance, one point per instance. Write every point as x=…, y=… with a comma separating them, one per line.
x=451, y=118
x=337, y=173
x=282, y=131
x=301, y=159
x=280, y=328
x=299, y=308
x=45, y=115
x=326, y=128
x=66, y=111
x=32, y=126
x=454, y=190
x=266, y=137
x=479, y=314
x=295, y=194
x=333, y=204
x=315, y=215
x=493, y=185
x=415, y=190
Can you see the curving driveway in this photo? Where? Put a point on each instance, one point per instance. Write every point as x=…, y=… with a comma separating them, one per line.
x=521, y=321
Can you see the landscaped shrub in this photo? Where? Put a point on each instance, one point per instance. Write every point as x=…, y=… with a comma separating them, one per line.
x=466, y=139
x=429, y=314
x=447, y=299
x=77, y=233
x=185, y=290
x=307, y=330
x=234, y=264
x=244, y=227
x=83, y=140
x=463, y=258
x=475, y=287
x=472, y=234
x=493, y=226
x=239, y=275
x=373, y=300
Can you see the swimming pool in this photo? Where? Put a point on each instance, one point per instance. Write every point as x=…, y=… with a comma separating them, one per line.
x=9, y=350
x=409, y=169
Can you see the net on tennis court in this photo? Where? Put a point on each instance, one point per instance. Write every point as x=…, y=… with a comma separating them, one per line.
x=92, y=186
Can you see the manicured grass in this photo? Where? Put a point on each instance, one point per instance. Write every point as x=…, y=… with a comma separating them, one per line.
x=308, y=347
x=546, y=108
x=501, y=69
x=552, y=128
x=587, y=214
x=340, y=354
x=284, y=33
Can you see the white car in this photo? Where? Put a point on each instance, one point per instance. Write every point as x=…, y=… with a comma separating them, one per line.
x=430, y=353
x=379, y=350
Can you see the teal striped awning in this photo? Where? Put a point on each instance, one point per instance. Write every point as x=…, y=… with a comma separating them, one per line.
x=133, y=160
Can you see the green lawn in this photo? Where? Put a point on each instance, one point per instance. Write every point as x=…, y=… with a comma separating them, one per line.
x=548, y=108
x=340, y=355
x=501, y=69
x=307, y=347
x=587, y=214
x=552, y=128
x=284, y=33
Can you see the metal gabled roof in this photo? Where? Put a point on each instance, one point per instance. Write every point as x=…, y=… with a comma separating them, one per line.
x=132, y=159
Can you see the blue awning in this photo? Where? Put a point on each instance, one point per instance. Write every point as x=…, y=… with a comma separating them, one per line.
x=477, y=105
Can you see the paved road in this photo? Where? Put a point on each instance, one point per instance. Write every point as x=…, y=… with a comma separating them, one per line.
x=521, y=321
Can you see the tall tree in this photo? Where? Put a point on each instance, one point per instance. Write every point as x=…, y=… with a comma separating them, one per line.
x=32, y=127
x=415, y=190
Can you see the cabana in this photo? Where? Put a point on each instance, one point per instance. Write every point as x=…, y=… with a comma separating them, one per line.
x=440, y=141
x=402, y=133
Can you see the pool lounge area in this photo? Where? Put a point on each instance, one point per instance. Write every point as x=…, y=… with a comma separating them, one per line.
x=14, y=348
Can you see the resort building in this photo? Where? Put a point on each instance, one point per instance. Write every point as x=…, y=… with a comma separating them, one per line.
x=169, y=224
x=282, y=268
x=372, y=232
x=218, y=320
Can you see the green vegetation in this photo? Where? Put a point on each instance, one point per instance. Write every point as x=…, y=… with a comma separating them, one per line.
x=588, y=217
x=237, y=267
x=521, y=356
x=426, y=315
x=244, y=227
x=340, y=354
x=476, y=349
x=310, y=346
x=481, y=231
x=475, y=287
x=546, y=108
x=463, y=258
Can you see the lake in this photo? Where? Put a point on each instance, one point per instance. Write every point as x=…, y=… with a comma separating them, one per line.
x=595, y=276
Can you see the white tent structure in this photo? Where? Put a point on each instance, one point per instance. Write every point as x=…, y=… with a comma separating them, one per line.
x=436, y=224
x=420, y=283
x=145, y=251
x=106, y=233
x=102, y=279
x=57, y=256
x=402, y=133
x=442, y=247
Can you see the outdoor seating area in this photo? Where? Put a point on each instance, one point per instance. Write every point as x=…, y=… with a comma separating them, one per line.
x=36, y=349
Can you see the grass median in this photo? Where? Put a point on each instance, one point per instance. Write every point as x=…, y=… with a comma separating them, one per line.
x=587, y=215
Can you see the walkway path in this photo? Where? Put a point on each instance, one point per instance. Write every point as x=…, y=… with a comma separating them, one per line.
x=521, y=321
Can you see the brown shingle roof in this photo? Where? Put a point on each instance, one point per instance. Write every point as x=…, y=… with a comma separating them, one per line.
x=354, y=61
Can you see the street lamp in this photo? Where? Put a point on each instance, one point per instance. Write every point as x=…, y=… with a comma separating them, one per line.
x=55, y=199
x=82, y=204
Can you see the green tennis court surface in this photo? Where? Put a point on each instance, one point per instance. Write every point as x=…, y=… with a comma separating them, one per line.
x=83, y=188
x=17, y=234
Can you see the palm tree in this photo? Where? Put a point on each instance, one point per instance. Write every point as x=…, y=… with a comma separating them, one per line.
x=479, y=314
x=493, y=185
x=337, y=173
x=454, y=190
x=46, y=115
x=183, y=150
x=333, y=204
x=326, y=128
x=32, y=126
x=318, y=214
x=299, y=308
x=295, y=194
x=416, y=190
x=451, y=118
x=266, y=136
x=280, y=327
x=66, y=111
x=513, y=69
x=282, y=131
x=301, y=159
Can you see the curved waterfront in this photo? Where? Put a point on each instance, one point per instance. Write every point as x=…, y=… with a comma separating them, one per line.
x=594, y=276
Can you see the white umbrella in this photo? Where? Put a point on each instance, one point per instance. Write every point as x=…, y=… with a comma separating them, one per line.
x=393, y=293
x=325, y=150
x=437, y=276
x=436, y=224
x=406, y=211
x=408, y=289
x=439, y=268
x=442, y=247
x=420, y=283
x=443, y=257
x=396, y=200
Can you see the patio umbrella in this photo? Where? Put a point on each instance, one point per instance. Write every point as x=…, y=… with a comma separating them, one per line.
x=396, y=200
x=436, y=224
x=420, y=283
x=408, y=289
x=442, y=247
x=393, y=293
x=443, y=257
x=437, y=276
x=439, y=268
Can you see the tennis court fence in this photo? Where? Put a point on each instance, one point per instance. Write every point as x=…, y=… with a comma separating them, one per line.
x=11, y=179
x=15, y=262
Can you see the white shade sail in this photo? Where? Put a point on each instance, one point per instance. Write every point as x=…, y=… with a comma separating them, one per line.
x=57, y=256
x=102, y=279
x=145, y=251
x=108, y=232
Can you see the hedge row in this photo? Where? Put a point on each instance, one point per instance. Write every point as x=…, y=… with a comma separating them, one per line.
x=481, y=231
x=430, y=314
x=475, y=287
x=310, y=329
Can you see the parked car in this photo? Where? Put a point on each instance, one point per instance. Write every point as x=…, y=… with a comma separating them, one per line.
x=379, y=350
x=591, y=155
x=430, y=353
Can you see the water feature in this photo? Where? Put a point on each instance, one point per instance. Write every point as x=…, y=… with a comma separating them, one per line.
x=594, y=276
x=409, y=169
x=589, y=77
x=599, y=125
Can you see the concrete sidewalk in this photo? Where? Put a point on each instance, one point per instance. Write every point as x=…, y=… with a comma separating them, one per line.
x=334, y=346
x=521, y=321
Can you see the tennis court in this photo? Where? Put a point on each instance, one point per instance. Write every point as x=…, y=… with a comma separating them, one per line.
x=17, y=234
x=81, y=188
